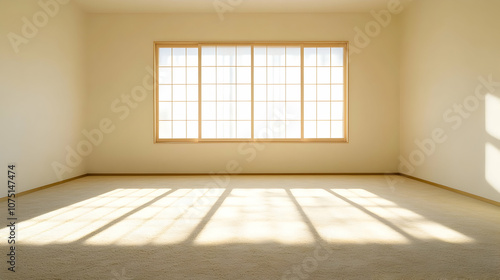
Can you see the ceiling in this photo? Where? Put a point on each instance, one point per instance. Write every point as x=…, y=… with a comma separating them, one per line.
x=233, y=6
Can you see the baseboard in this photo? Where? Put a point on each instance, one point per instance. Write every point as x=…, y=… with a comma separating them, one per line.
x=45, y=187
x=496, y=203
x=232, y=174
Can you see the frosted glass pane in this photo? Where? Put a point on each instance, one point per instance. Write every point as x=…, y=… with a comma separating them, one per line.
x=244, y=56
x=310, y=75
x=244, y=111
x=192, y=57
x=260, y=75
x=208, y=129
x=260, y=57
x=324, y=92
x=244, y=93
x=309, y=129
x=179, y=128
x=165, y=75
x=179, y=75
x=208, y=75
x=293, y=75
x=337, y=110
x=226, y=56
x=337, y=130
x=260, y=93
x=165, y=111
x=276, y=93
x=323, y=129
x=276, y=75
x=260, y=111
x=276, y=111
x=323, y=57
x=323, y=75
x=260, y=129
x=293, y=111
x=323, y=111
x=192, y=111
x=226, y=75
x=208, y=56
x=337, y=75
x=179, y=93
x=293, y=129
x=244, y=75
x=276, y=56
x=226, y=129
x=192, y=75
x=337, y=92
x=292, y=56
x=179, y=57
x=309, y=56
x=309, y=110
x=165, y=58
x=309, y=93
x=337, y=56
x=208, y=93
x=226, y=111
x=208, y=111
x=244, y=129
x=292, y=93
x=192, y=93
x=226, y=92
x=165, y=130
x=192, y=129
x=276, y=129
x=165, y=93
x=179, y=109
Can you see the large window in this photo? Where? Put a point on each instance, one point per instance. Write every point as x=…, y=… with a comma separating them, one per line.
x=286, y=92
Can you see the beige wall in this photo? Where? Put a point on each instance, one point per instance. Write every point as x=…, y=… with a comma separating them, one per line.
x=447, y=45
x=120, y=47
x=42, y=90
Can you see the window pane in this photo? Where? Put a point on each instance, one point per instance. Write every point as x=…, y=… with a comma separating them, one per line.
x=179, y=58
x=260, y=111
x=309, y=129
x=208, y=75
x=260, y=129
x=179, y=109
x=323, y=110
x=179, y=93
x=165, y=93
x=310, y=93
x=208, y=129
x=276, y=56
x=260, y=75
x=208, y=111
x=208, y=56
x=323, y=75
x=165, y=75
x=293, y=56
x=276, y=111
x=165, y=57
x=260, y=57
x=337, y=129
x=309, y=110
x=293, y=111
x=337, y=110
x=276, y=129
x=260, y=93
x=309, y=56
x=226, y=111
x=337, y=92
x=324, y=92
x=179, y=75
x=226, y=75
x=165, y=111
x=293, y=75
x=293, y=93
x=310, y=75
x=192, y=57
x=244, y=111
x=244, y=56
x=226, y=56
x=293, y=129
x=276, y=93
x=192, y=129
x=244, y=93
x=179, y=128
x=192, y=93
x=226, y=93
x=192, y=75
x=226, y=129
x=244, y=75
x=275, y=75
x=244, y=129
x=165, y=130
x=208, y=93
x=323, y=129
x=323, y=57
x=192, y=111
x=337, y=75
x=337, y=56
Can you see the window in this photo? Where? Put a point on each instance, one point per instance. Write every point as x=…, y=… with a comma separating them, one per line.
x=289, y=92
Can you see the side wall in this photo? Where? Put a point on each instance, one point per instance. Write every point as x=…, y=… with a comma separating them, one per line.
x=449, y=86
x=121, y=48
x=42, y=89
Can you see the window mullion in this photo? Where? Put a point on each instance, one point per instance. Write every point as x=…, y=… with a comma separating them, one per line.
x=302, y=92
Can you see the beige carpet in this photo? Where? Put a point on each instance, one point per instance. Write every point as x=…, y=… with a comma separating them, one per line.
x=252, y=227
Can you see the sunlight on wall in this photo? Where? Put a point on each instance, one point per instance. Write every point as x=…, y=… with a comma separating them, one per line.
x=492, y=105
x=492, y=168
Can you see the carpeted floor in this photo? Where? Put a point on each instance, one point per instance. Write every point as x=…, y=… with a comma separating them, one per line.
x=252, y=227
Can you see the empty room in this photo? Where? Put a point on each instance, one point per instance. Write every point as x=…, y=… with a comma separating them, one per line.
x=250, y=139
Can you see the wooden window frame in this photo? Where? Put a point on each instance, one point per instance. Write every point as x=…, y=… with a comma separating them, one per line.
x=301, y=44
